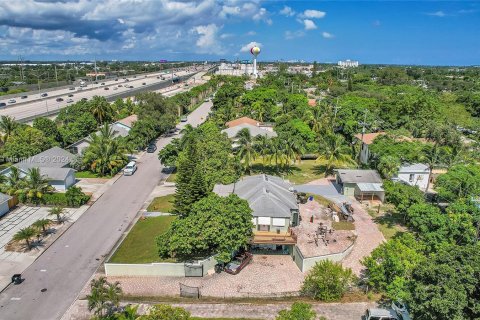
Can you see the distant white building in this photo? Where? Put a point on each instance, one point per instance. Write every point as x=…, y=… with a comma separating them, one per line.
x=414, y=175
x=347, y=63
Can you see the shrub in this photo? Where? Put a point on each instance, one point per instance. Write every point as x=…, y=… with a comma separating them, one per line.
x=75, y=197
x=55, y=199
x=327, y=281
x=299, y=311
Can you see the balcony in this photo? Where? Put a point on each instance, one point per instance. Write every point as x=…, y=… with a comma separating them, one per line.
x=265, y=237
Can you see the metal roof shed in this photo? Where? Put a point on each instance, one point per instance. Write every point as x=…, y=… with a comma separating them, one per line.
x=368, y=191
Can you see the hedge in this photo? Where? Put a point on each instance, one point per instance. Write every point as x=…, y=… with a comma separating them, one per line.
x=74, y=197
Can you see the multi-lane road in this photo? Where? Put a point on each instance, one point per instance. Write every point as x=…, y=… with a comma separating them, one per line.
x=54, y=280
x=35, y=105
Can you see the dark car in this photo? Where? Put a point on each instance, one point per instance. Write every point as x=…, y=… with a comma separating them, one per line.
x=59, y=100
x=116, y=79
x=23, y=97
x=71, y=88
x=151, y=148
x=106, y=88
x=3, y=104
x=238, y=263
x=70, y=95
x=44, y=94
x=144, y=83
x=103, y=83
x=96, y=82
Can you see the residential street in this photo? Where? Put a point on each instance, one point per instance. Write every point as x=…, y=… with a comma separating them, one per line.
x=54, y=280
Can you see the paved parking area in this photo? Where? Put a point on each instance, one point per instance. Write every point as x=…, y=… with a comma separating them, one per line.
x=265, y=276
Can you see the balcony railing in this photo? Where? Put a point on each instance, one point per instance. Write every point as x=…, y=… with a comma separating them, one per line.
x=264, y=237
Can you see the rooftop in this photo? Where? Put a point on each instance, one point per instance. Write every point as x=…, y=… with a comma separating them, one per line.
x=128, y=121
x=254, y=131
x=52, y=158
x=358, y=176
x=267, y=196
x=4, y=197
x=58, y=174
x=416, y=167
x=242, y=120
x=368, y=137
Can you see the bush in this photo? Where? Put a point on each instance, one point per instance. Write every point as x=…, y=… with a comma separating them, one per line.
x=55, y=199
x=299, y=311
x=75, y=197
x=327, y=281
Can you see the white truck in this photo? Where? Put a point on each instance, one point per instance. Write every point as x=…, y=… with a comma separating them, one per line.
x=83, y=84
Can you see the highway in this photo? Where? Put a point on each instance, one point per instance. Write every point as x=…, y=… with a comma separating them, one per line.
x=54, y=280
x=34, y=104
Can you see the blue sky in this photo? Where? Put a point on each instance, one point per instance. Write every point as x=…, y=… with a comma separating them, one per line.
x=407, y=32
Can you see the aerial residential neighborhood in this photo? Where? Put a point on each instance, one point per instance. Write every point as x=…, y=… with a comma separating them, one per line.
x=234, y=160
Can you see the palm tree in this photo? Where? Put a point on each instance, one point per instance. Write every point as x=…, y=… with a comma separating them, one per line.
x=261, y=143
x=277, y=152
x=104, y=296
x=294, y=148
x=13, y=182
x=244, y=149
x=100, y=109
x=56, y=211
x=35, y=186
x=388, y=166
x=42, y=224
x=25, y=234
x=105, y=155
x=335, y=151
x=7, y=126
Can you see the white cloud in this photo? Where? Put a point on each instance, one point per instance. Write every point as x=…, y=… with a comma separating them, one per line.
x=287, y=11
x=327, y=35
x=226, y=35
x=251, y=33
x=439, y=14
x=207, y=40
x=248, y=46
x=262, y=15
x=309, y=24
x=313, y=14
x=289, y=35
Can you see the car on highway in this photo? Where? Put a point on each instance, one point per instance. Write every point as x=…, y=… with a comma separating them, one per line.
x=126, y=80
x=116, y=79
x=3, y=104
x=70, y=95
x=23, y=97
x=44, y=94
x=106, y=88
x=96, y=82
x=120, y=85
x=158, y=77
x=12, y=101
x=134, y=76
x=144, y=83
x=130, y=168
x=59, y=99
x=131, y=87
x=103, y=83
x=69, y=100
x=71, y=88
x=151, y=148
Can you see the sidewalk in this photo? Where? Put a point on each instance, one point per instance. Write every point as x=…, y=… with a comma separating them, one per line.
x=22, y=217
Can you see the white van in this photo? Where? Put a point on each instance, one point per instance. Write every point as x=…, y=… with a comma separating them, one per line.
x=130, y=168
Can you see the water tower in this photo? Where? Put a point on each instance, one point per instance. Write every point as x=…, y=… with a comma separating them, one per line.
x=255, y=51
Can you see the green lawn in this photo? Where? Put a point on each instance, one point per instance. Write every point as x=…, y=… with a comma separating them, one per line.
x=172, y=176
x=299, y=173
x=139, y=245
x=161, y=204
x=88, y=174
x=389, y=222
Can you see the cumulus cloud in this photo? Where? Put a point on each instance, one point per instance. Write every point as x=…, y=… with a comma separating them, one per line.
x=309, y=24
x=207, y=41
x=327, y=35
x=250, y=45
x=313, y=14
x=289, y=35
x=287, y=11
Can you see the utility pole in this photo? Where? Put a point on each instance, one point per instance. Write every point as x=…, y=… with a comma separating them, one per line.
x=56, y=76
x=364, y=125
x=95, y=66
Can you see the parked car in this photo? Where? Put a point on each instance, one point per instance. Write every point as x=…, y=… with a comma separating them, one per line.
x=23, y=97
x=59, y=99
x=12, y=101
x=151, y=148
x=69, y=100
x=44, y=94
x=184, y=119
x=238, y=263
x=3, y=104
x=130, y=168
x=380, y=314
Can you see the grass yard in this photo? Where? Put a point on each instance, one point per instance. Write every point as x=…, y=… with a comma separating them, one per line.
x=88, y=174
x=389, y=222
x=343, y=225
x=161, y=204
x=139, y=245
x=172, y=176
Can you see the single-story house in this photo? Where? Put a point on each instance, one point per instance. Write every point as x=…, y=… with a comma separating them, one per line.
x=254, y=131
x=275, y=209
x=366, y=140
x=120, y=128
x=361, y=184
x=53, y=163
x=414, y=175
x=4, y=207
x=242, y=120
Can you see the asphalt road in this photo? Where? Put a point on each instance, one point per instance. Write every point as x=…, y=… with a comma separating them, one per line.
x=65, y=267
x=31, y=106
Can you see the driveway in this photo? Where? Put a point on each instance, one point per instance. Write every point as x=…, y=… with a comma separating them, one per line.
x=325, y=188
x=54, y=280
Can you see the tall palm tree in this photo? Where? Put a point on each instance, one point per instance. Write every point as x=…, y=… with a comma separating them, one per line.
x=334, y=150
x=35, y=186
x=25, y=234
x=57, y=212
x=13, y=182
x=294, y=148
x=388, y=166
x=277, y=152
x=244, y=148
x=42, y=224
x=101, y=109
x=261, y=143
x=105, y=155
x=7, y=125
